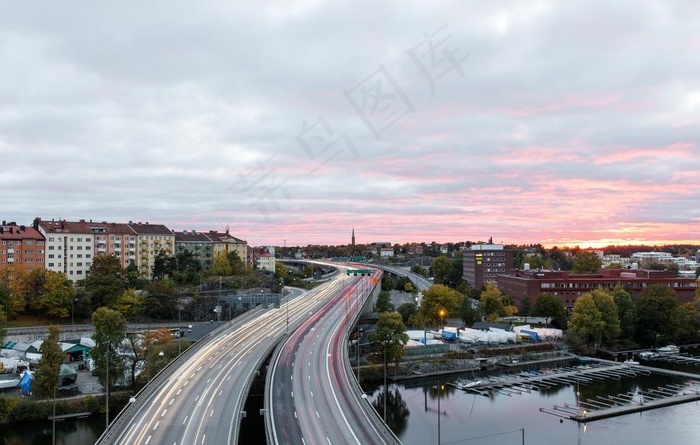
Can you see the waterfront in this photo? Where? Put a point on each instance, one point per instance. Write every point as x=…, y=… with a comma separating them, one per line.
x=499, y=419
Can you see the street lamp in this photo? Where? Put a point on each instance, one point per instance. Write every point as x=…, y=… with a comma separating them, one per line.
x=72, y=312
x=386, y=389
x=442, y=317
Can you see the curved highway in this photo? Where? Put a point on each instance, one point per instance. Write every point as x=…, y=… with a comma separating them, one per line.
x=199, y=400
x=312, y=398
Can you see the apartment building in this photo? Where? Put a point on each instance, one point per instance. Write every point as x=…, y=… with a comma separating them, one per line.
x=198, y=243
x=69, y=247
x=117, y=239
x=225, y=243
x=20, y=244
x=151, y=241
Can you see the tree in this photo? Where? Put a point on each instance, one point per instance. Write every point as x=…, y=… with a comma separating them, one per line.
x=238, y=266
x=548, y=305
x=161, y=299
x=536, y=262
x=525, y=308
x=105, y=282
x=47, y=373
x=661, y=319
x=220, y=266
x=587, y=262
x=586, y=320
x=420, y=270
x=3, y=324
x=387, y=283
x=608, y=311
x=408, y=287
x=13, y=278
x=467, y=311
x=384, y=302
x=54, y=295
x=110, y=329
x=437, y=298
x=390, y=336
x=407, y=310
x=491, y=303
x=441, y=268
x=626, y=312
x=129, y=303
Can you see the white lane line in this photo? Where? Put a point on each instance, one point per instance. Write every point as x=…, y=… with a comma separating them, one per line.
x=204, y=437
x=163, y=413
x=211, y=413
x=208, y=380
x=312, y=393
x=171, y=402
x=148, y=440
x=196, y=398
x=178, y=392
x=186, y=382
x=329, y=441
x=317, y=415
x=155, y=427
x=295, y=415
x=185, y=421
x=220, y=392
x=199, y=368
x=292, y=394
x=229, y=377
x=192, y=376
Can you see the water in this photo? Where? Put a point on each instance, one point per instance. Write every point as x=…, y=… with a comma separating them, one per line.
x=68, y=432
x=499, y=420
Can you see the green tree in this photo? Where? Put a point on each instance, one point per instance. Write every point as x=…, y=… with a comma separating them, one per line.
x=129, y=304
x=387, y=283
x=548, y=305
x=608, y=311
x=525, y=308
x=437, y=298
x=467, y=312
x=384, y=302
x=220, y=266
x=407, y=310
x=49, y=367
x=56, y=295
x=161, y=299
x=420, y=270
x=238, y=266
x=537, y=262
x=441, y=268
x=110, y=329
x=105, y=283
x=586, y=320
x=419, y=321
x=390, y=336
x=491, y=302
x=408, y=287
x=132, y=277
x=626, y=312
x=587, y=262
x=661, y=318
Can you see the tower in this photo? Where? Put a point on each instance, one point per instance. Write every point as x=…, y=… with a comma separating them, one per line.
x=353, y=236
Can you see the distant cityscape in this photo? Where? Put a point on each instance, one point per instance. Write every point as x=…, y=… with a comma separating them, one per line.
x=521, y=272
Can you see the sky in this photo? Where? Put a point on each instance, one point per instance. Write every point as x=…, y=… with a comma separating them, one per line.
x=293, y=122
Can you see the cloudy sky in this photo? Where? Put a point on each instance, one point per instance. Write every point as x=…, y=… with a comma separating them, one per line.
x=294, y=121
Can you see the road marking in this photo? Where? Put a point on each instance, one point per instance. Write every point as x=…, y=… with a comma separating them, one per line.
x=229, y=377
x=317, y=415
x=163, y=413
x=211, y=413
x=178, y=392
x=196, y=398
x=204, y=437
x=155, y=427
x=208, y=380
x=171, y=402
x=292, y=394
x=186, y=382
x=148, y=440
x=312, y=393
x=199, y=368
x=329, y=441
x=309, y=376
x=295, y=415
x=220, y=392
x=192, y=376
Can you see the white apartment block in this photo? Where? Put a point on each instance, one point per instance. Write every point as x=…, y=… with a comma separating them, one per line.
x=69, y=247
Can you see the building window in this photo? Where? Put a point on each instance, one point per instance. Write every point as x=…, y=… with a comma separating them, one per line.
x=50, y=255
x=50, y=264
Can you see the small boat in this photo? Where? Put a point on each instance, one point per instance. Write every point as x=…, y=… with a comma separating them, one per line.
x=629, y=361
x=647, y=355
x=668, y=350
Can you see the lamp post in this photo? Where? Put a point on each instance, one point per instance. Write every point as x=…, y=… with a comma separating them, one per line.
x=386, y=389
x=107, y=385
x=72, y=314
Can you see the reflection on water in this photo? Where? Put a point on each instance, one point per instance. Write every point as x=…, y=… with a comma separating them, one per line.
x=79, y=432
x=396, y=409
x=497, y=418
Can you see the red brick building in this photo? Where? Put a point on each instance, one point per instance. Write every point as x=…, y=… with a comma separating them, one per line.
x=568, y=286
x=21, y=245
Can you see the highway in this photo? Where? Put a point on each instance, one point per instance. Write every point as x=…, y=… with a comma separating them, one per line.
x=200, y=397
x=418, y=280
x=312, y=398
